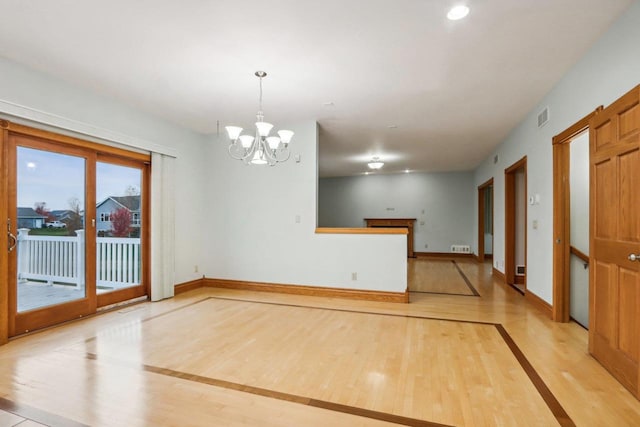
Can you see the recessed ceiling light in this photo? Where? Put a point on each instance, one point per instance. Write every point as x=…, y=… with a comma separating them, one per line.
x=407, y=171
x=366, y=173
x=31, y=165
x=375, y=163
x=328, y=104
x=392, y=126
x=458, y=12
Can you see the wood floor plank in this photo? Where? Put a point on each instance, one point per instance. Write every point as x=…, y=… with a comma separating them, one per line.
x=357, y=358
x=438, y=276
x=440, y=359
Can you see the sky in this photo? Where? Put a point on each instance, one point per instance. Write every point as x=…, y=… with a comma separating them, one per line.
x=55, y=178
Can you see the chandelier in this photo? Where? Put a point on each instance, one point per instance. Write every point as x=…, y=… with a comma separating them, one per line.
x=260, y=149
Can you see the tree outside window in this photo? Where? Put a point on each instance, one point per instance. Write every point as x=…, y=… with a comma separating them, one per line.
x=120, y=222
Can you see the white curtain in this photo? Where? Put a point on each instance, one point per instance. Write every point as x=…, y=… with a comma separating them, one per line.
x=162, y=226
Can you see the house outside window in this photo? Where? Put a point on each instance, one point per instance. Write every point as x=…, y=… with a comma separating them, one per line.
x=106, y=207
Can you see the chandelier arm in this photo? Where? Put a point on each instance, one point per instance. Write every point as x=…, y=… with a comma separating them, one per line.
x=233, y=156
x=269, y=153
x=288, y=154
x=248, y=156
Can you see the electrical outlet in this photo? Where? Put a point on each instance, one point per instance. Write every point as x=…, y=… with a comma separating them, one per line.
x=426, y=245
x=297, y=219
x=354, y=276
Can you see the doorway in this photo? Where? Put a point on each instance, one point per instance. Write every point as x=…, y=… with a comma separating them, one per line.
x=579, y=229
x=61, y=264
x=485, y=221
x=571, y=222
x=516, y=225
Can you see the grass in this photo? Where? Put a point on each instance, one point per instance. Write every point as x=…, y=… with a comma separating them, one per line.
x=49, y=232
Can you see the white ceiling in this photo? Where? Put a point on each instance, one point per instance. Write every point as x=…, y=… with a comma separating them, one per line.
x=453, y=89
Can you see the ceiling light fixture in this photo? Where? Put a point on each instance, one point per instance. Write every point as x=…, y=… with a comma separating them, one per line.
x=458, y=12
x=260, y=149
x=375, y=163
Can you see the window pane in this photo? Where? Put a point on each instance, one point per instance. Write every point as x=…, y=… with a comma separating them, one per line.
x=118, y=209
x=50, y=200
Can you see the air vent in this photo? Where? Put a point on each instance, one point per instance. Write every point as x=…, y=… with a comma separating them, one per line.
x=521, y=270
x=461, y=249
x=543, y=117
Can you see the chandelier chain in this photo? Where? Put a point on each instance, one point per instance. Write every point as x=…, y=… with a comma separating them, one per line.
x=260, y=94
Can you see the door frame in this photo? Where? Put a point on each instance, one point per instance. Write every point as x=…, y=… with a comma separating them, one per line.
x=562, y=216
x=106, y=299
x=481, y=207
x=7, y=128
x=21, y=322
x=4, y=240
x=510, y=220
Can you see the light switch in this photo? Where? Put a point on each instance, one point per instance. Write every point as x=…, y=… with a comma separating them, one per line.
x=535, y=224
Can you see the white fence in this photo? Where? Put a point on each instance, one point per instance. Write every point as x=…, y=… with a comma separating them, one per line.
x=60, y=259
x=118, y=261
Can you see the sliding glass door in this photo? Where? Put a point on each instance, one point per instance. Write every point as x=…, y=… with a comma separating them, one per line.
x=77, y=229
x=120, y=229
x=48, y=259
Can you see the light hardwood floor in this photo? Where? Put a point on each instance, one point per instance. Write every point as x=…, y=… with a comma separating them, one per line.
x=214, y=357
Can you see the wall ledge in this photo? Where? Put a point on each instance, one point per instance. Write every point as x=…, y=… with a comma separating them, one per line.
x=362, y=230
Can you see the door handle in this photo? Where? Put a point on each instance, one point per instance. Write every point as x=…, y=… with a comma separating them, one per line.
x=12, y=246
x=634, y=257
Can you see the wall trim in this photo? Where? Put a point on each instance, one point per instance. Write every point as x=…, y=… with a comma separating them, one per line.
x=85, y=129
x=539, y=303
x=443, y=255
x=362, y=230
x=181, y=288
x=318, y=291
x=499, y=275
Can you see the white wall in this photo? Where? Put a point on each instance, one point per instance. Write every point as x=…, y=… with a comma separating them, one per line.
x=62, y=104
x=579, y=208
x=232, y=221
x=253, y=233
x=520, y=210
x=440, y=202
x=607, y=71
x=579, y=192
